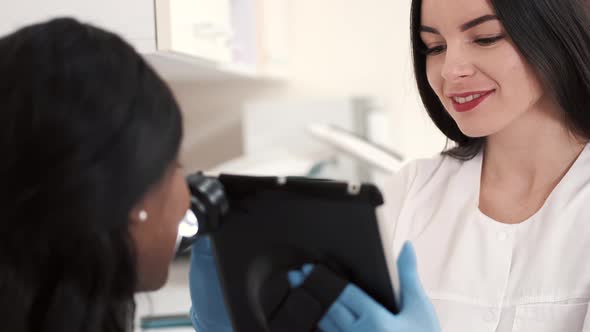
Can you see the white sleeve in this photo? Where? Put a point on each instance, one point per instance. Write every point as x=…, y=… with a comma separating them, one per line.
x=395, y=190
x=399, y=191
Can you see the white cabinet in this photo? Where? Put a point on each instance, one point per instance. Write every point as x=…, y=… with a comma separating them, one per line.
x=132, y=19
x=199, y=28
x=186, y=40
x=227, y=38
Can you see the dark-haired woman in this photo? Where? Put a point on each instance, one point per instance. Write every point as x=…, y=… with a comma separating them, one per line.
x=91, y=192
x=499, y=222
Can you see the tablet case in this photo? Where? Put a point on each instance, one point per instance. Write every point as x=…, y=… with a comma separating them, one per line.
x=274, y=225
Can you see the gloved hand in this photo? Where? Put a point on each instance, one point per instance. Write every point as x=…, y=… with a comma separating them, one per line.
x=355, y=311
x=208, y=311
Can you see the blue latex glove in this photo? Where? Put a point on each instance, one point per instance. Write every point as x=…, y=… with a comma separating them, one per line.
x=208, y=312
x=355, y=311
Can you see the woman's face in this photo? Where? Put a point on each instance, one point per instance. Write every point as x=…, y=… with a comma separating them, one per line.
x=155, y=237
x=474, y=67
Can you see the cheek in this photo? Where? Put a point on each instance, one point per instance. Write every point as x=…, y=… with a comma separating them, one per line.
x=433, y=74
x=155, y=253
x=152, y=262
x=156, y=239
x=178, y=204
x=517, y=80
x=183, y=195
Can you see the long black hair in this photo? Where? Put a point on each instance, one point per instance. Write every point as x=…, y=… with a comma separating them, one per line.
x=86, y=128
x=552, y=35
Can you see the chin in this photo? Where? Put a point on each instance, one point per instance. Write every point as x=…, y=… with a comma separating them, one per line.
x=476, y=131
x=153, y=282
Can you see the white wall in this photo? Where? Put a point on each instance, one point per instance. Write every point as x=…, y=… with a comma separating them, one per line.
x=338, y=48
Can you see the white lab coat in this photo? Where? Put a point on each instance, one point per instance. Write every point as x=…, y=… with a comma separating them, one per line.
x=482, y=275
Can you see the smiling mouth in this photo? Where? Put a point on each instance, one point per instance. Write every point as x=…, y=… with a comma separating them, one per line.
x=461, y=100
x=469, y=102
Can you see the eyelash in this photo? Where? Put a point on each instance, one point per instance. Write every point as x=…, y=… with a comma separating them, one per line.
x=433, y=50
x=480, y=41
x=488, y=41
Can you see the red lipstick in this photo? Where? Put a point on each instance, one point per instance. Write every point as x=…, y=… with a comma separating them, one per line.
x=467, y=106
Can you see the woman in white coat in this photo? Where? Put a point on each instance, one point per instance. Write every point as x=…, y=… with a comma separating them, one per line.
x=499, y=221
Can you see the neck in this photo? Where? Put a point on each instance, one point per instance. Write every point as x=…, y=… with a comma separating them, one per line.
x=537, y=148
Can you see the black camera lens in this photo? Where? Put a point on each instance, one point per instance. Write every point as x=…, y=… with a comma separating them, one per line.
x=208, y=205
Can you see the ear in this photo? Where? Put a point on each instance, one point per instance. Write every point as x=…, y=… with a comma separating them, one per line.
x=138, y=214
x=137, y=227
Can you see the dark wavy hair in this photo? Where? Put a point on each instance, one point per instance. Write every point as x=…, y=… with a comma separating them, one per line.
x=86, y=128
x=552, y=35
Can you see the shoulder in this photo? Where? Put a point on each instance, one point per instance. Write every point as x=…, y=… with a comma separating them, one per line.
x=415, y=187
x=418, y=174
x=421, y=185
x=418, y=189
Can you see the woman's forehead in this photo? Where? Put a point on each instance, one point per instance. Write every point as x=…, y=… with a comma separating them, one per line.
x=444, y=13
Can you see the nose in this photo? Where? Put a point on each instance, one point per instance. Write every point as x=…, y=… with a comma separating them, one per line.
x=457, y=64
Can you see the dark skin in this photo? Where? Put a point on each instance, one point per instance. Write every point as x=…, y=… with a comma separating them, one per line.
x=155, y=238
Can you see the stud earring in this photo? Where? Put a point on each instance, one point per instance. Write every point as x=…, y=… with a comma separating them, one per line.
x=143, y=215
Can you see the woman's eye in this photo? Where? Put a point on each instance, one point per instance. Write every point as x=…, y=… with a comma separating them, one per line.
x=434, y=50
x=488, y=41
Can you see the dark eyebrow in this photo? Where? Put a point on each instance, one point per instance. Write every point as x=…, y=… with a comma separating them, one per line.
x=465, y=26
x=424, y=28
x=477, y=21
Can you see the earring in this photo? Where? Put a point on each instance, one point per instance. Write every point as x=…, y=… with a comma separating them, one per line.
x=143, y=215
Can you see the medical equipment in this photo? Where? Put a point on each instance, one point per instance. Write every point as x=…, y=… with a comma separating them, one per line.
x=208, y=205
x=261, y=227
x=207, y=189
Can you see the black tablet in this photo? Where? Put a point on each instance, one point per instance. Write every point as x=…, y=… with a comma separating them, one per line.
x=274, y=225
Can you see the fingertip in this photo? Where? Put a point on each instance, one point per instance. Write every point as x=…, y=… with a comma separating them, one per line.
x=307, y=268
x=408, y=247
x=407, y=257
x=295, y=278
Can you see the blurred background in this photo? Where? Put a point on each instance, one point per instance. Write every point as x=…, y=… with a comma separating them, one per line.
x=277, y=87
x=309, y=60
